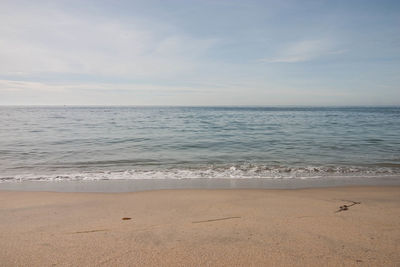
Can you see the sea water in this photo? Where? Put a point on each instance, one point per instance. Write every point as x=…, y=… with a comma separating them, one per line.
x=105, y=143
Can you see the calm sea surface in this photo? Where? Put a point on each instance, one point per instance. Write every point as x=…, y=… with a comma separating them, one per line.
x=93, y=143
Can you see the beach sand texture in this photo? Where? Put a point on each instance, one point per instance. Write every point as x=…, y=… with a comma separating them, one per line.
x=303, y=227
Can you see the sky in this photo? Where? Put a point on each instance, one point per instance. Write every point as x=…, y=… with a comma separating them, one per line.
x=200, y=52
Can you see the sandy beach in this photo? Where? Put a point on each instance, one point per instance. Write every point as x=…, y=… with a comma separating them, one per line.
x=302, y=227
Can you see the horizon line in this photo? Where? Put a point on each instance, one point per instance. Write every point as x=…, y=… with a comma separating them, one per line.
x=183, y=106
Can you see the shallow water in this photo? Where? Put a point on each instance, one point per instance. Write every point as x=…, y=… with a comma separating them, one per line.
x=101, y=143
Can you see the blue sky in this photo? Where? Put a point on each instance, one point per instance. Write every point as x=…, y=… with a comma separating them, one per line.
x=200, y=52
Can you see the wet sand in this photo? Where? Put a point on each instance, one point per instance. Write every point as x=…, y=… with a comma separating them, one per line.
x=248, y=227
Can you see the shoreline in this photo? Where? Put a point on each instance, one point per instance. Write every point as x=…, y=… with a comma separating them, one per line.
x=246, y=227
x=137, y=185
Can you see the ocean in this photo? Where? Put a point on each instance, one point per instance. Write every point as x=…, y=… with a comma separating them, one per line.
x=129, y=143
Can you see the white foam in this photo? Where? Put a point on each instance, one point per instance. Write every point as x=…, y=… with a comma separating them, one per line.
x=233, y=172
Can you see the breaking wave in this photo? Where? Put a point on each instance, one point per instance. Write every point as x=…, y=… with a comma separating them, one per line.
x=228, y=172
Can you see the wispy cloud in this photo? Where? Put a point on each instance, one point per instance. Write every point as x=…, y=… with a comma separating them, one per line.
x=305, y=50
x=15, y=85
x=51, y=41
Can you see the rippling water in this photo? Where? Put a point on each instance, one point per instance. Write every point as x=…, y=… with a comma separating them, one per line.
x=91, y=143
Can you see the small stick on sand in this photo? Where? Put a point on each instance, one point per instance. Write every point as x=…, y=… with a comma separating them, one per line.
x=219, y=219
x=346, y=207
x=90, y=231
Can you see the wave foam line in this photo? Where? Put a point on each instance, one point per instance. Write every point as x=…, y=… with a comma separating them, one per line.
x=233, y=172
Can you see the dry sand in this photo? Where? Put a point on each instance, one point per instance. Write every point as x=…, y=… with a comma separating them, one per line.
x=202, y=228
